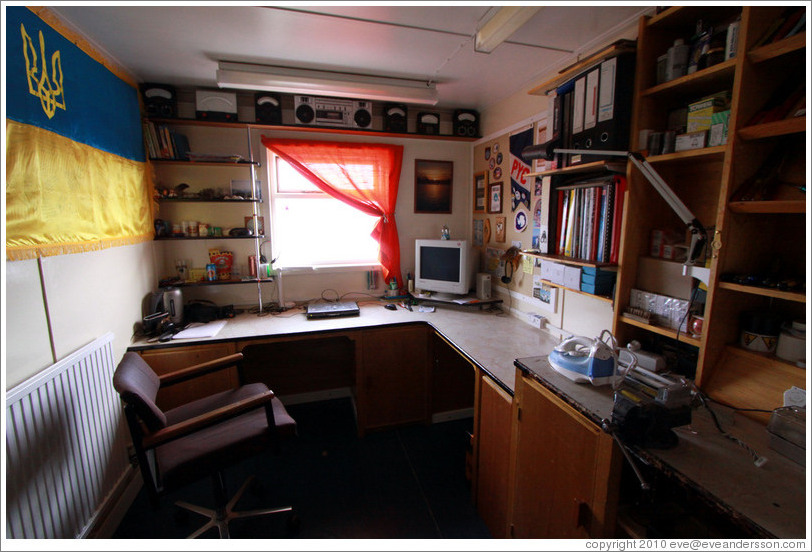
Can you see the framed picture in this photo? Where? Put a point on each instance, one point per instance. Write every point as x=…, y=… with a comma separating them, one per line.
x=480, y=191
x=432, y=186
x=499, y=232
x=249, y=223
x=495, y=198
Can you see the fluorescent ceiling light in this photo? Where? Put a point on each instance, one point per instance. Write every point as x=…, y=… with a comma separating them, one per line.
x=327, y=83
x=498, y=28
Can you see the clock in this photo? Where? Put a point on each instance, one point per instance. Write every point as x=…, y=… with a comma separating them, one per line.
x=160, y=100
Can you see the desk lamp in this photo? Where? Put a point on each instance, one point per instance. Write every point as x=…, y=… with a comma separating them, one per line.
x=699, y=237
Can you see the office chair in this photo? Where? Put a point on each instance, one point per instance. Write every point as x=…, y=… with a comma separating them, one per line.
x=202, y=437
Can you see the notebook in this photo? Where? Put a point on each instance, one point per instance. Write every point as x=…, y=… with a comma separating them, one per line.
x=330, y=310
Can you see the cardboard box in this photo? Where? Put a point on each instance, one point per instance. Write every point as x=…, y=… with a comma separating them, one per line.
x=691, y=140
x=572, y=277
x=557, y=275
x=718, y=129
x=700, y=112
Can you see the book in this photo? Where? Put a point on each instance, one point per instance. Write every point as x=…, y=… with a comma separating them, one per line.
x=789, y=24
x=620, y=192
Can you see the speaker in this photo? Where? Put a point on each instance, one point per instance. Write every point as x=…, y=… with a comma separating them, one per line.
x=466, y=123
x=362, y=114
x=483, y=286
x=428, y=122
x=160, y=100
x=268, y=108
x=394, y=117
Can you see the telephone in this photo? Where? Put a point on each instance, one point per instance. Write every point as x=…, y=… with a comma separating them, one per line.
x=582, y=359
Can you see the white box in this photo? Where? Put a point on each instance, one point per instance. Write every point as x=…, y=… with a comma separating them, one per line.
x=572, y=277
x=557, y=275
x=546, y=269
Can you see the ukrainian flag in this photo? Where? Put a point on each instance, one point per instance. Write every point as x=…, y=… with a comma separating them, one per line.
x=76, y=174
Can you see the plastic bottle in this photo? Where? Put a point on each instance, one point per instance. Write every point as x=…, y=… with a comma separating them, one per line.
x=677, y=60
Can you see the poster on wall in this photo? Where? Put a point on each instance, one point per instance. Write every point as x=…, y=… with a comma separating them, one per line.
x=479, y=232
x=494, y=265
x=519, y=168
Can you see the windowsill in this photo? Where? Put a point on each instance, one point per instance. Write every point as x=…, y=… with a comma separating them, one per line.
x=326, y=269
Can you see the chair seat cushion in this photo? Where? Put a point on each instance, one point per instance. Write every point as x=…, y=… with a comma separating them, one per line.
x=218, y=446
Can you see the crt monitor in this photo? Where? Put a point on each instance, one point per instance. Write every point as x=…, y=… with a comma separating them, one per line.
x=443, y=266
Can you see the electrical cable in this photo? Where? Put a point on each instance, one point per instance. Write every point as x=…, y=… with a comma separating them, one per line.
x=705, y=401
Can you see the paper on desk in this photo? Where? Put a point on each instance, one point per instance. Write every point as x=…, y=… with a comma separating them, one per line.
x=199, y=329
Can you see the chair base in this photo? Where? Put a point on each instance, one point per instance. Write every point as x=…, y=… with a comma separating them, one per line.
x=220, y=516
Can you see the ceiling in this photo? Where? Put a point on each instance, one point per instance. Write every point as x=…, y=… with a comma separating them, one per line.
x=181, y=45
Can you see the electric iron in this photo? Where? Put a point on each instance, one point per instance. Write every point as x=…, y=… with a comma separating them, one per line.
x=583, y=360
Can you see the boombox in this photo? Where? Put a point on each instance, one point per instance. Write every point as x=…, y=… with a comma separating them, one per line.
x=268, y=108
x=160, y=100
x=336, y=112
x=466, y=123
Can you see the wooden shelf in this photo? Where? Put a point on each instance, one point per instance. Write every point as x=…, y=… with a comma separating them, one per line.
x=714, y=153
x=682, y=16
x=566, y=74
x=778, y=206
x=667, y=332
x=767, y=52
x=603, y=298
x=181, y=238
x=187, y=163
x=200, y=200
x=222, y=282
x=571, y=261
x=796, y=296
x=315, y=129
x=774, y=129
x=595, y=166
x=719, y=75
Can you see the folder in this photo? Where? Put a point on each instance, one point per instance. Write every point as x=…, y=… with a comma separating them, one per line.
x=614, y=104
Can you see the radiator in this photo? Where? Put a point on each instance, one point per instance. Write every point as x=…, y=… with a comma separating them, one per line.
x=66, y=448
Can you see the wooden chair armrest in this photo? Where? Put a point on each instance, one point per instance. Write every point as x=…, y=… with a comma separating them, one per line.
x=187, y=427
x=201, y=369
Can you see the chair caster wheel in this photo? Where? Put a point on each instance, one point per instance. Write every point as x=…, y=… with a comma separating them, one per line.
x=293, y=525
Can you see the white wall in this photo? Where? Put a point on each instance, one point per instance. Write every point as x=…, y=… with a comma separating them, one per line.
x=78, y=298
x=305, y=286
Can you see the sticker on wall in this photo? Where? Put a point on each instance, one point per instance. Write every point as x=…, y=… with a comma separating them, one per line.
x=496, y=147
x=520, y=195
x=497, y=173
x=539, y=188
x=520, y=222
x=487, y=153
x=499, y=158
x=492, y=163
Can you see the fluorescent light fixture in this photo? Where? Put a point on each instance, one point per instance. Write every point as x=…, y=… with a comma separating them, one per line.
x=498, y=28
x=292, y=80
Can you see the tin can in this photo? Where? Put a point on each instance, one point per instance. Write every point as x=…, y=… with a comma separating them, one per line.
x=211, y=272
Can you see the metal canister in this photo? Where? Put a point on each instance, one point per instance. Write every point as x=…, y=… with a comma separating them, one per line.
x=211, y=272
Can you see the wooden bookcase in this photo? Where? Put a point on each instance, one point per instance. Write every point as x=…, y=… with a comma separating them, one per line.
x=748, y=237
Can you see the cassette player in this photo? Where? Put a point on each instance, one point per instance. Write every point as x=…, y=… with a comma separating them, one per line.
x=334, y=112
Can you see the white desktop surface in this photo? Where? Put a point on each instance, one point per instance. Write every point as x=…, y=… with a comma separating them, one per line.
x=491, y=340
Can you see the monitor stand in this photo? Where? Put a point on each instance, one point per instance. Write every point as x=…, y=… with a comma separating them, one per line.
x=440, y=296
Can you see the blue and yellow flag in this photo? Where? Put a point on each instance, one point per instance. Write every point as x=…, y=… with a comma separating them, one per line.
x=76, y=177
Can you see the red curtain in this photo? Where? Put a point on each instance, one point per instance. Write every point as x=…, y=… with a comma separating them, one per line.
x=342, y=169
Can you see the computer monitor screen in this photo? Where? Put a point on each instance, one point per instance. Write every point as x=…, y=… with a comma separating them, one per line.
x=442, y=266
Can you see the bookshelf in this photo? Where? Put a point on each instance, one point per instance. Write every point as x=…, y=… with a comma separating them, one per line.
x=755, y=237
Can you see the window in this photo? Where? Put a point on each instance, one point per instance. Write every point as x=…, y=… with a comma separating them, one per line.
x=311, y=228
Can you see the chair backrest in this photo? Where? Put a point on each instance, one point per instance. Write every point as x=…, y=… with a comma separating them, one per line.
x=138, y=384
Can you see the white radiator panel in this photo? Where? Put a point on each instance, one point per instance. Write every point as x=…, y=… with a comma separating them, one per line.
x=65, y=445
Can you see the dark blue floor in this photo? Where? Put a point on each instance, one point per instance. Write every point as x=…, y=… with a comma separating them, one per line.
x=405, y=483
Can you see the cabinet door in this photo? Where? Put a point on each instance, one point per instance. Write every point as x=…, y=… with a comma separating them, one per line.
x=566, y=470
x=394, y=386
x=493, y=456
x=166, y=361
